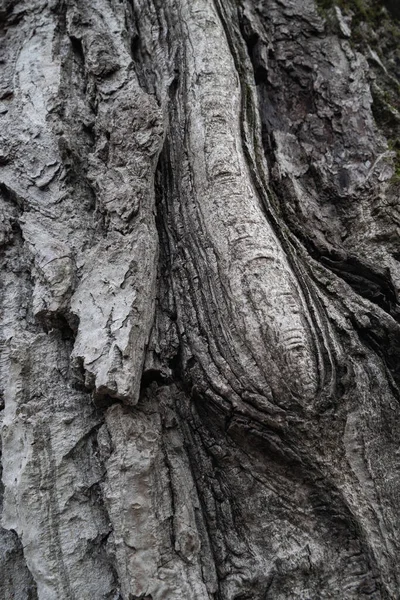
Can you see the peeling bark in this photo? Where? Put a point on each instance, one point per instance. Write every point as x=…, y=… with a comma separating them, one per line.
x=199, y=235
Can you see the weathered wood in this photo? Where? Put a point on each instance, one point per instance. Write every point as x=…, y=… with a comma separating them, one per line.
x=199, y=232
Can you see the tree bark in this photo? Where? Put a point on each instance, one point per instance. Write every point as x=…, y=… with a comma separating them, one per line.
x=199, y=233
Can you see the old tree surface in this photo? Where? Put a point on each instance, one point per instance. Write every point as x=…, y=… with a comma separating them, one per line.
x=200, y=341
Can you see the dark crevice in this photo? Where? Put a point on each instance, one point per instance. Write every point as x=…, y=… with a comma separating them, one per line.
x=10, y=196
x=170, y=358
x=105, y=401
x=140, y=58
x=364, y=279
x=66, y=325
x=77, y=48
x=385, y=345
x=151, y=376
x=375, y=287
x=89, y=131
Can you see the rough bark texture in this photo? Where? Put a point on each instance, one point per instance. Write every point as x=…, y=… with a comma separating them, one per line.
x=199, y=229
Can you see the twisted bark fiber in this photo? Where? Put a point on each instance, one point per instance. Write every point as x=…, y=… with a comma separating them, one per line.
x=200, y=317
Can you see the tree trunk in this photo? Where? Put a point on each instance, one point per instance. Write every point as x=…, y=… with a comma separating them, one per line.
x=199, y=233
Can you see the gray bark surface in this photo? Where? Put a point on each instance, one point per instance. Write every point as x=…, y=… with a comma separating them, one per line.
x=199, y=300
